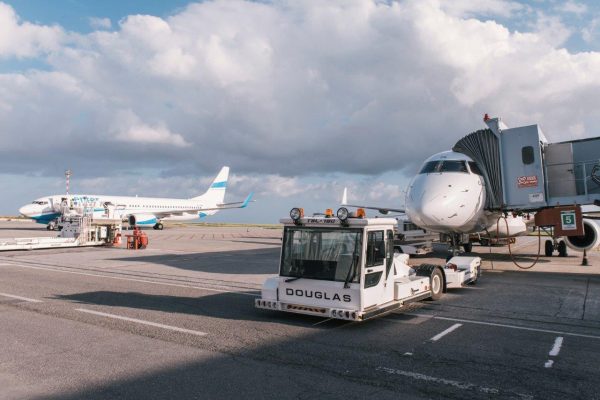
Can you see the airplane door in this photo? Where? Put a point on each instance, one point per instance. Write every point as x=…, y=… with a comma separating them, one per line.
x=374, y=273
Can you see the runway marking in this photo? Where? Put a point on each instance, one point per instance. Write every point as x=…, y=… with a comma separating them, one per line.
x=12, y=296
x=524, y=328
x=143, y=322
x=448, y=382
x=556, y=348
x=554, y=351
x=133, y=280
x=444, y=333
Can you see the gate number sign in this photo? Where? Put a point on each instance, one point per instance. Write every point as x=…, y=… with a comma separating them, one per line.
x=568, y=221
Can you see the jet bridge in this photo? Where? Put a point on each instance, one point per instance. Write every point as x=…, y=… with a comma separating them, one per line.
x=523, y=172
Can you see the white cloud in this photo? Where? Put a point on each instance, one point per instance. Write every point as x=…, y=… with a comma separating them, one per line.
x=289, y=88
x=591, y=31
x=573, y=7
x=24, y=39
x=464, y=8
x=129, y=128
x=100, y=23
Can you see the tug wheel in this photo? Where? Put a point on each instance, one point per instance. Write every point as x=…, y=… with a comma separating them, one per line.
x=437, y=284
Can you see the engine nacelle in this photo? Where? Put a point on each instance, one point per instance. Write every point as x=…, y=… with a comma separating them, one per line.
x=589, y=240
x=142, y=219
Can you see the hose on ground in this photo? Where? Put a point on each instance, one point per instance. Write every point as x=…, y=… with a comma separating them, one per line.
x=509, y=249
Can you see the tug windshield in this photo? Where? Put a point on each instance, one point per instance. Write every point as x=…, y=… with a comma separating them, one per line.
x=321, y=253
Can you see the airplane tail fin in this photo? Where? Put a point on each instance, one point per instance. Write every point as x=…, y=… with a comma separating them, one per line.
x=216, y=192
x=345, y=197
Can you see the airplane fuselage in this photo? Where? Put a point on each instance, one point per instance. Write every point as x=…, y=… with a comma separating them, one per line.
x=46, y=209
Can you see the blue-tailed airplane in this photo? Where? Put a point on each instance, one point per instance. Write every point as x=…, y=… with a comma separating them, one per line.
x=138, y=211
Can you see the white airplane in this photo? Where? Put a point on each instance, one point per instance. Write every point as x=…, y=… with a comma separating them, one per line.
x=448, y=196
x=138, y=211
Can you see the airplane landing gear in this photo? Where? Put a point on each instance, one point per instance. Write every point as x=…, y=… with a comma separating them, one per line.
x=554, y=245
x=456, y=241
x=158, y=226
x=52, y=225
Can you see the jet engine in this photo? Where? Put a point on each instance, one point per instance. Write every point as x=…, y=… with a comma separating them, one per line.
x=590, y=238
x=142, y=219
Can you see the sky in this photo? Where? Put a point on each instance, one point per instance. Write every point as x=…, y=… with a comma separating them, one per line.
x=299, y=98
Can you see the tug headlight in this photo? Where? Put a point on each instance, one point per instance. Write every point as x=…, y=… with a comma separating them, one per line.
x=296, y=213
x=343, y=213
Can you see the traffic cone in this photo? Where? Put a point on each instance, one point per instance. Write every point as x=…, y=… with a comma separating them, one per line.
x=584, y=262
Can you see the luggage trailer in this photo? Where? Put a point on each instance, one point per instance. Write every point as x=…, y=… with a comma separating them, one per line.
x=345, y=267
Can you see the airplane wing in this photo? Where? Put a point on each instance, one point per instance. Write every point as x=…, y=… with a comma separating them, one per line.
x=222, y=206
x=382, y=210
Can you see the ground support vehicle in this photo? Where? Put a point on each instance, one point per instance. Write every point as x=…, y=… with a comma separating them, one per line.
x=346, y=268
x=76, y=231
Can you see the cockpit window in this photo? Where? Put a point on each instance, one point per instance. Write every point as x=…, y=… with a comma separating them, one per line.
x=41, y=203
x=475, y=168
x=430, y=167
x=444, y=166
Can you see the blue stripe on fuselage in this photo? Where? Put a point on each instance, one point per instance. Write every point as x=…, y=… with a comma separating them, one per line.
x=45, y=218
x=146, y=222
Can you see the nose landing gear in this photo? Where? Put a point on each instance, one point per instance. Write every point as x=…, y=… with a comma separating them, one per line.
x=456, y=242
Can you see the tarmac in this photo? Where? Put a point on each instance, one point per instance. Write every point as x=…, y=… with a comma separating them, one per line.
x=177, y=320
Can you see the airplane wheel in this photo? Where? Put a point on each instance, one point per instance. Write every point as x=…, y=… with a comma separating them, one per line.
x=437, y=284
x=50, y=227
x=159, y=226
x=548, y=248
x=562, y=249
x=468, y=247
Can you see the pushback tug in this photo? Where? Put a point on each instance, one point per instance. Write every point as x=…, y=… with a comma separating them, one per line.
x=345, y=267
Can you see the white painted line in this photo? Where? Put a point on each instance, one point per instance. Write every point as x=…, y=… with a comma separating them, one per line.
x=133, y=280
x=12, y=296
x=554, y=351
x=443, y=381
x=444, y=333
x=320, y=322
x=141, y=321
x=523, y=328
x=556, y=348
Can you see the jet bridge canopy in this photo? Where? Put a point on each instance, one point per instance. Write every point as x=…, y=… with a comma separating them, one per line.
x=523, y=172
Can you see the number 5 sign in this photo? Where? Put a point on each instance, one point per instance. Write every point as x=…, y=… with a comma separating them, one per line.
x=568, y=221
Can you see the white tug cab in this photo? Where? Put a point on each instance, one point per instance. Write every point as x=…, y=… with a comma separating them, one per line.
x=346, y=268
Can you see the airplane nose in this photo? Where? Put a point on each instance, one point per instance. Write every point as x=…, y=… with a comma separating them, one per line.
x=432, y=210
x=27, y=210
